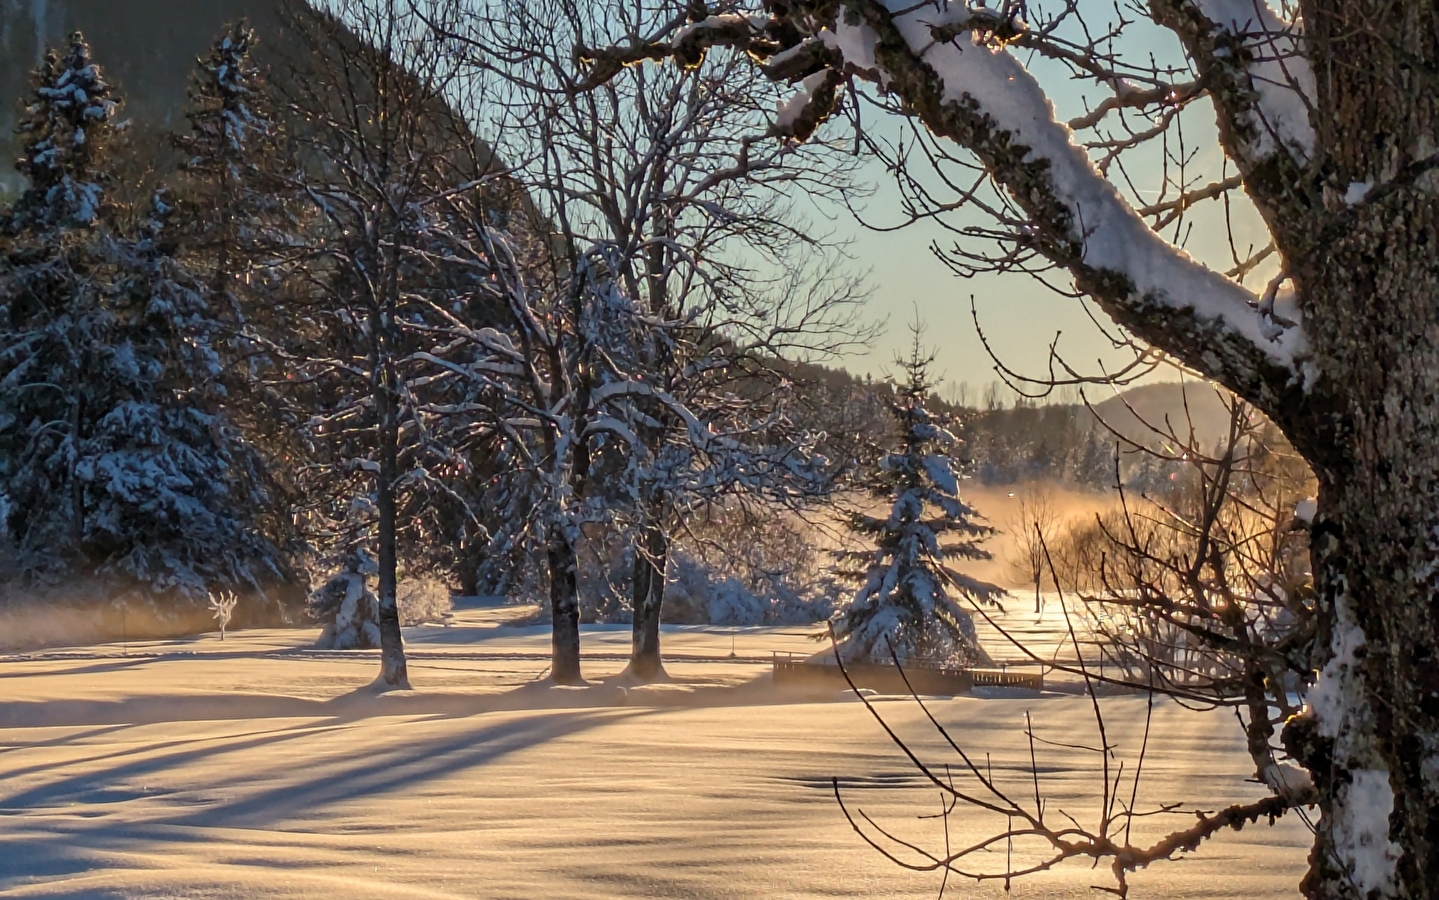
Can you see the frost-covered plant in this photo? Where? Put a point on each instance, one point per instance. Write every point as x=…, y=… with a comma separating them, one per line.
x=423, y=600
x=904, y=604
x=768, y=551
x=222, y=604
x=347, y=608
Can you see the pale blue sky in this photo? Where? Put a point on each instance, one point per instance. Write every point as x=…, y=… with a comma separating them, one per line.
x=1020, y=316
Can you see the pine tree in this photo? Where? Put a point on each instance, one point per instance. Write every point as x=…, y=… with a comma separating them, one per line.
x=232, y=221
x=1095, y=466
x=904, y=600
x=64, y=132
x=116, y=459
x=226, y=205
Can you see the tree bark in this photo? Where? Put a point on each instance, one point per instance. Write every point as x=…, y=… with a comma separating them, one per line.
x=394, y=672
x=564, y=608
x=651, y=554
x=1371, y=738
x=1368, y=274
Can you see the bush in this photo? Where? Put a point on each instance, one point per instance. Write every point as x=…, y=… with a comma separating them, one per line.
x=424, y=600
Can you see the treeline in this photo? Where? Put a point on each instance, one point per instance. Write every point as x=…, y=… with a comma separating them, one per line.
x=999, y=444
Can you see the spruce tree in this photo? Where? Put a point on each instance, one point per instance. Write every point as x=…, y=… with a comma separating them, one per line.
x=226, y=203
x=906, y=596
x=116, y=458
x=64, y=132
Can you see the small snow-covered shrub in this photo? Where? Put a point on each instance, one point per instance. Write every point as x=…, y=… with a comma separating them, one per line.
x=423, y=600
x=697, y=594
x=347, y=608
x=749, y=566
x=730, y=566
x=222, y=604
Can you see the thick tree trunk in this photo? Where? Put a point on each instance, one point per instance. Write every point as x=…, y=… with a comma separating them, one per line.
x=1371, y=736
x=651, y=553
x=564, y=609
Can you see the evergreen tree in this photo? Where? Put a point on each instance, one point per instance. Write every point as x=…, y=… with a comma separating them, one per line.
x=1095, y=465
x=115, y=457
x=228, y=205
x=234, y=223
x=904, y=600
x=64, y=132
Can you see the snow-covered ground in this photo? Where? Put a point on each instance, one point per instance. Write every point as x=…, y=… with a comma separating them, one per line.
x=258, y=768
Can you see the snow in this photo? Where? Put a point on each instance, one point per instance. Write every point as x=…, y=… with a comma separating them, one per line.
x=1115, y=237
x=1357, y=191
x=1361, y=832
x=856, y=43
x=1337, y=697
x=789, y=110
x=1334, y=696
x=1306, y=510
x=259, y=768
x=1289, y=780
x=1281, y=76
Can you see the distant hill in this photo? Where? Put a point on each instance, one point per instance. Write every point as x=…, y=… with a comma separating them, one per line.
x=1193, y=407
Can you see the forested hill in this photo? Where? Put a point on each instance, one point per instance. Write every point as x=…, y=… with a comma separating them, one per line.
x=148, y=48
x=1018, y=440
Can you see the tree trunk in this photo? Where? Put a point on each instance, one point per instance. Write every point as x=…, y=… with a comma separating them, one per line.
x=393, y=670
x=1371, y=734
x=651, y=553
x=77, y=490
x=564, y=608
x=472, y=558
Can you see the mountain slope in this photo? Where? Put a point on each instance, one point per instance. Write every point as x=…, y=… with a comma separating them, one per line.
x=1193, y=407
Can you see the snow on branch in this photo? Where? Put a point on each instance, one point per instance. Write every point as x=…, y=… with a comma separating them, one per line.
x=949, y=63
x=999, y=106
x=1266, y=51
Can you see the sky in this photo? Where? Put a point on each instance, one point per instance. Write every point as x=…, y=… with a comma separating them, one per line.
x=1020, y=316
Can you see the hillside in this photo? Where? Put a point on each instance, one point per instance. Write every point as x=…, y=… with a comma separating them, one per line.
x=1190, y=408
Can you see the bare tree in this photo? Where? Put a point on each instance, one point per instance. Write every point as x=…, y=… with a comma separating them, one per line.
x=377, y=149
x=1032, y=523
x=670, y=169
x=1324, y=112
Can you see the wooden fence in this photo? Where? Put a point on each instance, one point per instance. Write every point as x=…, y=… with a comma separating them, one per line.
x=792, y=670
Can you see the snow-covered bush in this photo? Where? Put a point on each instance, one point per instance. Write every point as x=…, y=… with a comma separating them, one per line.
x=347, y=608
x=697, y=593
x=730, y=553
x=222, y=604
x=350, y=612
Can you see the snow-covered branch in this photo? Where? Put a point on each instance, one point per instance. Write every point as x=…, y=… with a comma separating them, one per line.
x=951, y=66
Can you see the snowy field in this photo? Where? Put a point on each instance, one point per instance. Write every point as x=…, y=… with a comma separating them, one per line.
x=257, y=768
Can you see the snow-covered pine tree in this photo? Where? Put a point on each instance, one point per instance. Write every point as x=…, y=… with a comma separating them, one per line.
x=115, y=458
x=226, y=206
x=905, y=601
x=50, y=316
x=171, y=485
x=233, y=224
x=346, y=607
x=64, y=133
